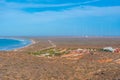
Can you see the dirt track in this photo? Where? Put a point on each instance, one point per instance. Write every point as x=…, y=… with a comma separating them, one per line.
x=18, y=65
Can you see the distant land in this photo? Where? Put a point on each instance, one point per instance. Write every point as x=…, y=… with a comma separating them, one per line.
x=63, y=58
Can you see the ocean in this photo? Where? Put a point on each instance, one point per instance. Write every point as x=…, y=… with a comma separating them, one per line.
x=11, y=44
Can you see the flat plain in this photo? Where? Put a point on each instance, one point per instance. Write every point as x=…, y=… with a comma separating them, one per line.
x=19, y=65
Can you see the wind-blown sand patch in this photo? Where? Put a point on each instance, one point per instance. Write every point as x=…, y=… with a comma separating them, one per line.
x=117, y=61
x=107, y=60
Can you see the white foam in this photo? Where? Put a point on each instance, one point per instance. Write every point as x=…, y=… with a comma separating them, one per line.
x=24, y=43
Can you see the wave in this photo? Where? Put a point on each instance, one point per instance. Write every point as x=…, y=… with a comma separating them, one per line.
x=20, y=43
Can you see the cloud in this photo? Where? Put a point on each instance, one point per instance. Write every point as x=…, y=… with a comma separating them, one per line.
x=12, y=11
x=13, y=16
x=19, y=16
x=38, y=5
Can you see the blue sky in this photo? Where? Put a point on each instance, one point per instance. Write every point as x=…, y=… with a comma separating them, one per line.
x=59, y=17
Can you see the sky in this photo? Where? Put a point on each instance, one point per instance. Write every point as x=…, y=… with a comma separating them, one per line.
x=59, y=17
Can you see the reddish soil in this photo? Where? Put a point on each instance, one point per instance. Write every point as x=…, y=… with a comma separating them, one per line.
x=19, y=65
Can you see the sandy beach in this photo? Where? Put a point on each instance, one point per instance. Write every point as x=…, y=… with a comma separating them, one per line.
x=32, y=43
x=19, y=65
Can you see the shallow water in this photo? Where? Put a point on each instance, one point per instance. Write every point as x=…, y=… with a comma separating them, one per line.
x=11, y=44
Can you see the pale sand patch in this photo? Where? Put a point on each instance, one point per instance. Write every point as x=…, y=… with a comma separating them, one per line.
x=32, y=42
x=117, y=61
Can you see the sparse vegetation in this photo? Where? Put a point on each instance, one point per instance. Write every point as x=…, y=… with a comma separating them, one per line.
x=50, y=52
x=17, y=65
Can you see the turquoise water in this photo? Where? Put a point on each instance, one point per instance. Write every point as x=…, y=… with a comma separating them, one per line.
x=11, y=44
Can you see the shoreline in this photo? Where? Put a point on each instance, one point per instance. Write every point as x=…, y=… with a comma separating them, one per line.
x=22, y=47
x=32, y=42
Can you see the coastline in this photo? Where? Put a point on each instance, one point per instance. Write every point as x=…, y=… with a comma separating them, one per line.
x=31, y=42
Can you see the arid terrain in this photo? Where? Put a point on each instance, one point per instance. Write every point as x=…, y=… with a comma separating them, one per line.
x=20, y=65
